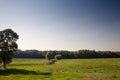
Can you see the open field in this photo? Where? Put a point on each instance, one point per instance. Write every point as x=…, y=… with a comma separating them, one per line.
x=67, y=69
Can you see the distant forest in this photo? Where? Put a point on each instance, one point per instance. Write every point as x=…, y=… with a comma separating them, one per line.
x=67, y=54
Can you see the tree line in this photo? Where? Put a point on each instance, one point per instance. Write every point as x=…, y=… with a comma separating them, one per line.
x=66, y=54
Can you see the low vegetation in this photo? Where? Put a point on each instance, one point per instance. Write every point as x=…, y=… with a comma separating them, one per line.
x=58, y=57
x=65, y=69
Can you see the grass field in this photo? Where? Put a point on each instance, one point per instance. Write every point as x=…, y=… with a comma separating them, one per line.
x=67, y=69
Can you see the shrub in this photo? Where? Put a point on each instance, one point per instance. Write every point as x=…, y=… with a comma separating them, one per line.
x=58, y=57
x=52, y=61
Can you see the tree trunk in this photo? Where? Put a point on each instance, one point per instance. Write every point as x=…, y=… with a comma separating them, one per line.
x=4, y=61
x=4, y=64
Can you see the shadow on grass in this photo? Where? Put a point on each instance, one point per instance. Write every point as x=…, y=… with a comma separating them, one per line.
x=22, y=71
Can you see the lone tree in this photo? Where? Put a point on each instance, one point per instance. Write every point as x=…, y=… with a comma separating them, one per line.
x=8, y=45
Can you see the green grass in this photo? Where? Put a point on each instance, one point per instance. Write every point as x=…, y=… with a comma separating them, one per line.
x=67, y=69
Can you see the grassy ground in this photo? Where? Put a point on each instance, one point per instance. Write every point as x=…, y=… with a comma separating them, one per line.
x=69, y=69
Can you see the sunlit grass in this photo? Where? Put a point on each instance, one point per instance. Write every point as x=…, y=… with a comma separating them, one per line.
x=66, y=69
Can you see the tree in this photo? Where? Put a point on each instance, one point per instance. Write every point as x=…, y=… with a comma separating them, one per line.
x=8, y=45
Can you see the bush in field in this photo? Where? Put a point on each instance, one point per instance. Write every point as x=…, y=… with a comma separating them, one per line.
x=58, y=57
x=52, y=61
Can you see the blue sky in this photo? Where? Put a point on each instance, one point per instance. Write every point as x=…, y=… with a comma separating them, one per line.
x=63, y=24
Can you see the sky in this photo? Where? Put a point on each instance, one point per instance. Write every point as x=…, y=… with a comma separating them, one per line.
x=63, y=24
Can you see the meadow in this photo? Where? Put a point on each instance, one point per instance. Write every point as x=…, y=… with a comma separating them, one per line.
x=65, y=69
